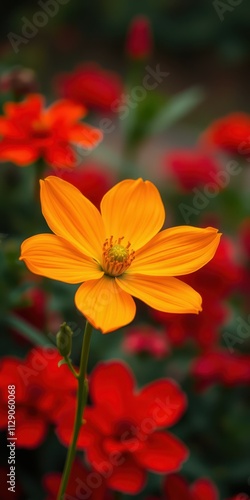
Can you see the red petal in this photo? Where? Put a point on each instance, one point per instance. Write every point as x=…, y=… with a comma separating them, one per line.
x=162, y=453
x=127, y=477
x=177, y=488
x=111, y=386
x=64, y=113
x=162, y=401
x=84, y=135
x=30, y=431
x=203, y=489
x=60, y=155
x=22, y=154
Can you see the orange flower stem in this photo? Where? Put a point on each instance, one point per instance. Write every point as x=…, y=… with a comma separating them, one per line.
x=82, y=394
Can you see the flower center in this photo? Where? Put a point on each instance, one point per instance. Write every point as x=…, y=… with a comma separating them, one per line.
x=40, y=129
x=116, y=257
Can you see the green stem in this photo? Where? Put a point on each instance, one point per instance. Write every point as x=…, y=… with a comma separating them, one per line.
x=82, y=394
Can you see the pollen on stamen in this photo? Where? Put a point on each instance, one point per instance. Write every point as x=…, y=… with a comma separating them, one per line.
x=116, y=257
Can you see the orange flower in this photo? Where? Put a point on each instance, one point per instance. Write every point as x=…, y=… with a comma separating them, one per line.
x=117, y=253
x=29, y=132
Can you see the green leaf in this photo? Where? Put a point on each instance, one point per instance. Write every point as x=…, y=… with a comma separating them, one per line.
x=27, y=331
x=175, y=109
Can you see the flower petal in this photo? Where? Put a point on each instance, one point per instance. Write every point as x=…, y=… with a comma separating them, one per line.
x=72, y=216
x=165, y=294
x=177, y=487
x=203, y=489
x=162, y=453
x=52, y=257
x=21, y=155
x=163, y=402
x=60, y=155
x=133, y=209
x=64, y=113
x=176, y=251
x=27, y=110
x=105, y=386
x=127, y=477
x=86, y=136
x=105, y=305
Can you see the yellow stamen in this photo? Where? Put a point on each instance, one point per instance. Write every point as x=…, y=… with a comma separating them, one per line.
x=116, y=257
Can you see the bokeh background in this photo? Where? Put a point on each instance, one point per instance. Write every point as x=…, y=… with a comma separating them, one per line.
x=203, y=52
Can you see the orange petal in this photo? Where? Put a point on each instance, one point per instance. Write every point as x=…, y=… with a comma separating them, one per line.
x=133, y=209
x=105, y=305
x=72, y=216
x=21, y=155
x=162, y=293
x=86, y=136
x=52, y=257
x=176, y=251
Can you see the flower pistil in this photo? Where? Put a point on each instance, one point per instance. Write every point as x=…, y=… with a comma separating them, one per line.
x=116, y=257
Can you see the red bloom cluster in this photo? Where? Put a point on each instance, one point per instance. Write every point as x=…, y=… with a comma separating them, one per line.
x=230, y=133
x=122, y=435
x=91, y=86
x=146, y=339
x=39, y=393
x=221, y=367
x=92, y=180
x=30, y=132
x=82, y=484
x=192, y=168
x=214, y=282
x=177, y=488
x=139, y=38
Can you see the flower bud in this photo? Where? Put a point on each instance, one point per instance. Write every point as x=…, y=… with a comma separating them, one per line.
x=64, y=340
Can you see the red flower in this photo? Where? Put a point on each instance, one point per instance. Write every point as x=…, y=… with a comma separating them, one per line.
x=91, y=180
x=230, y=133
x=215, y=282
x=122, y=435
x=91, y=86
x=139, y=38
x=192, y=168
x=82, y=484
x=30, y=132
x=146, y=339
x=177, y=488
x=39, y=393
x=221, y=367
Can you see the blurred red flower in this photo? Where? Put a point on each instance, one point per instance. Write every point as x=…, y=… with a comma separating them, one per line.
x=92, y=180
x=192, y=167
x=30, y=132
x=221, y=367
x=146, y=339
x=39, y=393
x=82, y=484
x=139, y=38
x=215, y=282
x=230, y=133
x=122, y=435
x=177, y=488
x=91, y=86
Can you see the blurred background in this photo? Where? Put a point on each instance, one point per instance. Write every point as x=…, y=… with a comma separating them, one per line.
x=167, y=82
